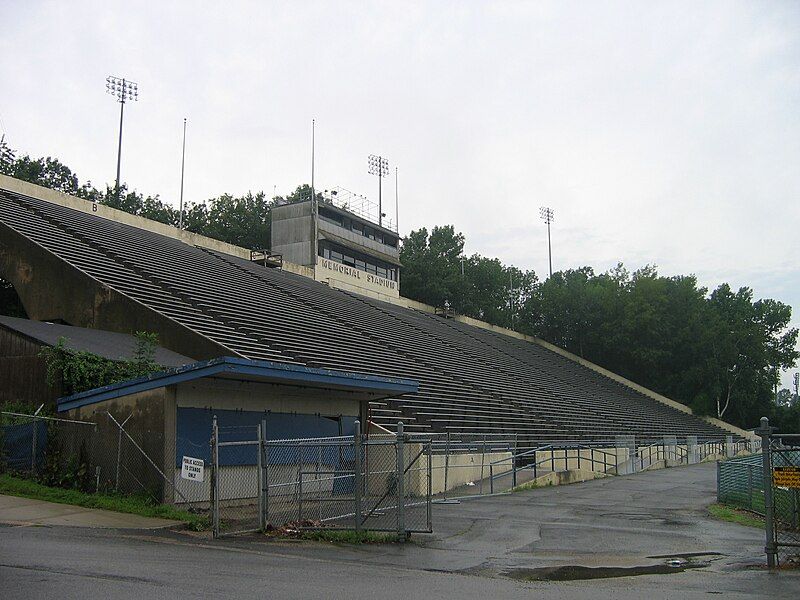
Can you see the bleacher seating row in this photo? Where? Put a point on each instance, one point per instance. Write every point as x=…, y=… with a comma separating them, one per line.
x=471, y=380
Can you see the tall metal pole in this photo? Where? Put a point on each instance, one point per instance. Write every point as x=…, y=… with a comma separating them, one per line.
x=396, y=204
x=183, y=164
x=511, y=297
x=547, y=216
x=314, y=205
x=313, y=128
x=765, y=431
x=119, y=147
x=123, y=90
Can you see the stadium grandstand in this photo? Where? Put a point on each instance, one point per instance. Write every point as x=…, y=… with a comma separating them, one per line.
x=86, y=265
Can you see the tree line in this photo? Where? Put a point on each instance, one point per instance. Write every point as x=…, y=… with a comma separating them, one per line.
x=718, y=351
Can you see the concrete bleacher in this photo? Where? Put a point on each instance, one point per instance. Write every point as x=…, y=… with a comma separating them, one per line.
x=471, y=380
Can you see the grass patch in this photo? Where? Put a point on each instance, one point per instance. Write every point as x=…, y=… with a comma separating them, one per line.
x=530, y=485
x=135, y=505
x=335, y=536
x=733, y=515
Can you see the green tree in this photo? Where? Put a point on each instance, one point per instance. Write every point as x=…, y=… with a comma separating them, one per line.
x=432, y=266
x=50, y=173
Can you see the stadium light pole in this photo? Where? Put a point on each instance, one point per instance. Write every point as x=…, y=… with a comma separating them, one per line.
x=797, y=387
x=123, y=90
x=547, y=216
x=379, y=166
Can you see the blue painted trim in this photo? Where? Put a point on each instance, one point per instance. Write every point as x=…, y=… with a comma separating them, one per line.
x=280, y=373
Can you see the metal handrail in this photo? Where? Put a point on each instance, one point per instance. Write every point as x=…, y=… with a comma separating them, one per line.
x=552, y=460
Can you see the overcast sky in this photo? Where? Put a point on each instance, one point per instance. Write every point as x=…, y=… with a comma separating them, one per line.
x=664, y=133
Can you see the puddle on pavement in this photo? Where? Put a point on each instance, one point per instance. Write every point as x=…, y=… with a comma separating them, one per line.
x=576, y=572
x=687, y=555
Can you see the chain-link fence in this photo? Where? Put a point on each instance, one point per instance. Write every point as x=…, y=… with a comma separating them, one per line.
x=740, y=483
x=109, y=455
x=786, y=501
x=768, y=483
x=378, y=484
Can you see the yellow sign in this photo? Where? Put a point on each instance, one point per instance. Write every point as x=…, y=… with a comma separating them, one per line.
x=786, y=477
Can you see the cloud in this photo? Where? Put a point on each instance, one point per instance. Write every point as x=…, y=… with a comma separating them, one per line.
x=659, y=133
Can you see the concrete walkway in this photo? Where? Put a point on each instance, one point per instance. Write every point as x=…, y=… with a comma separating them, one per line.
x=24, y=511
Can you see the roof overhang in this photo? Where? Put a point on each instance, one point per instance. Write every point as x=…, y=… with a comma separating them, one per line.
x=362, y=387
x=384, y=256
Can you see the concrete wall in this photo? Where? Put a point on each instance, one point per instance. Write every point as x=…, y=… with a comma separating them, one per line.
x=293, y=233
x=348, y=278
x=146, y=425
x=462, y=469
x=52, y=290
x=112, y=214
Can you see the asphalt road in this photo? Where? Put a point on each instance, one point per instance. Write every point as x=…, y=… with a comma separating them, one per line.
x=483, y=548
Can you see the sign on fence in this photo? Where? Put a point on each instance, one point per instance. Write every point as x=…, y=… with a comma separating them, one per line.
x=192, y=468
x=788, y=477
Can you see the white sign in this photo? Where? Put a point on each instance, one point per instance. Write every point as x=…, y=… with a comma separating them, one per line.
x=192, y=468
x=354, y=276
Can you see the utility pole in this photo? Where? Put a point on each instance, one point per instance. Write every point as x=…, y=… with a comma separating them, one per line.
x=379, y=166
x=123, y=90
x=396, y=205
x=183, y=164
x=511, y=296
x=796, y=388
x=547, y=216
x=314, y=205
x=313, y=133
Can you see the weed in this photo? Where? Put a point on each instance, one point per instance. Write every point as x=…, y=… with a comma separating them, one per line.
x=135, y=505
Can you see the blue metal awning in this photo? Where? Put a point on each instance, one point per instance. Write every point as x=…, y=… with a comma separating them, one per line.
x=242, y=369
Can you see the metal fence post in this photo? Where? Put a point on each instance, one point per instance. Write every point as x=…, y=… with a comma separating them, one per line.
x=428, y=499
x=261, y=524
x=401, y=480
x=446, y=462
x=766, y=463
x=357, y=473
x=719, y=485
x=483, y=458
x=215, y=477
x=514, y=463
x=119, y=458
x=33, y=445
x=265, y=447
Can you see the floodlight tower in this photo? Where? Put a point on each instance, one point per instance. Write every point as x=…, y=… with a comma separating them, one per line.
x=379, y=166
x=124, y=91
x=797, y=387
x=547, y=216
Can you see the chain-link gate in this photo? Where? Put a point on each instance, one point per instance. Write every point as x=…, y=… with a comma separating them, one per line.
x=785, y=463
x=380, y=483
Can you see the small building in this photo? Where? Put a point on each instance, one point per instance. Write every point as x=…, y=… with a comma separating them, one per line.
x=169, y=415
x=344, y=248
